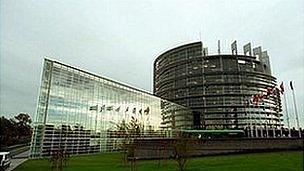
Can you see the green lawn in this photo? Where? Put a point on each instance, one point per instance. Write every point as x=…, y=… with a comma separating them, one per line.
x=275, y=161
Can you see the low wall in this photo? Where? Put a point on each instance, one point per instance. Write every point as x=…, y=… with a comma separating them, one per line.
x=163, y=148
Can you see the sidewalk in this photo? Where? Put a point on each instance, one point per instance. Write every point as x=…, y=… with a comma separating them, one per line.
x=18, y=159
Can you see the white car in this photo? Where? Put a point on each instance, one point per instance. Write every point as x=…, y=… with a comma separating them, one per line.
x=5, y=160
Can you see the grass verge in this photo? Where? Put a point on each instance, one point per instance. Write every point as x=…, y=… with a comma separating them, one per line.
x=275, y=161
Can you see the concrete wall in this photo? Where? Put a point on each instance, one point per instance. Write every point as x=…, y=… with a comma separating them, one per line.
x=163, y=148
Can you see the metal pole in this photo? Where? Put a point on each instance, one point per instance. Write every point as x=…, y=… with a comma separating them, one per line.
x=251, y=130
x=266, y=122
x=246, y=114
x=96, y=119
x=247, y=124
x=267, y=127
x=256, y=128
x=250, y=120
x=281, y=125
x=296, y=111
x=219, y=47
x=287, y=115
x=272, y=124
x=261, y=123
x=273, y=129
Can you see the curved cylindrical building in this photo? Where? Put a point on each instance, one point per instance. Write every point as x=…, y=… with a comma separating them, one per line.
x=224, y=91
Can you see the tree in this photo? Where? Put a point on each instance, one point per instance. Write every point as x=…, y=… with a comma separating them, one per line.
x=15, y=130
x=134, y=128
x=23, y=118
x=134, y=132
x=128, y=132
x=59, y=159
x=23, y=125
x=8, y=131
x=122, y=130
x=182, y=149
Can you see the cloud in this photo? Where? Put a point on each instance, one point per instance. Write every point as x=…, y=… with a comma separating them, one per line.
x=101, y=36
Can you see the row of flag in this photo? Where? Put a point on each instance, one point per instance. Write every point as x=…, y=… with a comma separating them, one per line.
x=257, y=98
x=111, y=108
x=283, y=89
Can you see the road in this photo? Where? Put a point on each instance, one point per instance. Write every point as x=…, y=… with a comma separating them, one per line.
x=18, y=159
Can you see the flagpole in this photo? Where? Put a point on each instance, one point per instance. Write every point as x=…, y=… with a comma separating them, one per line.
x=261, y=123
x=281, y=125
x=267, y=127
x=251, y=129
x=259, y=113
x=281, y=131
x=250, y=117
x=271, y=123
x=256, y=128
x=280, y=122
x=287, y=115
x=254, y=106
x=266, y=118
x=273, y=129
x=96, y=118
x=248, y=124
x=246, y=114
x=296, y=110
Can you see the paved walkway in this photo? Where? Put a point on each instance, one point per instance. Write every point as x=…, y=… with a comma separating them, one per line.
x=18, y=159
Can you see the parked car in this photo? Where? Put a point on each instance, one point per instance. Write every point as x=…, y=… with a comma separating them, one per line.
x=5, y=160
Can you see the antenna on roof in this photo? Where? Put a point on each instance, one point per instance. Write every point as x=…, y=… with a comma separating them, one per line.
x=219, y=47
x=234, y=48
x=247, y=49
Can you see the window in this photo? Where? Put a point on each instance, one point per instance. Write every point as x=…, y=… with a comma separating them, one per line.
x=241, y=61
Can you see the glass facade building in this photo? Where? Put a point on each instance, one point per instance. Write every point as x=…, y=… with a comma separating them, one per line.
x=219, y=88
x=79, y=111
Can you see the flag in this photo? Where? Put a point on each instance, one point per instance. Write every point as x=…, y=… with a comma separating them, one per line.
x=260, y=96
x=263, y=106
x=276, y=90
x=219, y=46
x=256, y=99
x=109, y=108
x=205, y=51
x=269, y=91
x=253, y=98
x=94, y=107
x=257, y=51
x=233, y=109
x=146, y=111
x=118, y=109
x=282, y=87
x=234, y=48
x=248, y=102
x=102, y=108
x=247, y=49
x=291, y=86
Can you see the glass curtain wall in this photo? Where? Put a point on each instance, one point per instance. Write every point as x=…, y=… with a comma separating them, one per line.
x=79, y=112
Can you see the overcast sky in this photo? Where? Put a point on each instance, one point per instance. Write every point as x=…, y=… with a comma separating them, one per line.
x=120, y=39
